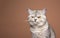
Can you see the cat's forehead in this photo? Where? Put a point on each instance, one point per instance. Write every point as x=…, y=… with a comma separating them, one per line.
x=43, y=11
x=36, y=12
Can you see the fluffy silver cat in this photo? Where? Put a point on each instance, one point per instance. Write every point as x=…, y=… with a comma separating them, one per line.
x=39, y=26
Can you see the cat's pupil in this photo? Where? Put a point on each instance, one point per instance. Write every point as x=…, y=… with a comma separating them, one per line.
x=32, y=16
x=39, y=16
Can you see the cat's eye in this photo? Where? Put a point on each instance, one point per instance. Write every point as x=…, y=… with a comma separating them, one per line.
x=39, y=16
x=32, y=16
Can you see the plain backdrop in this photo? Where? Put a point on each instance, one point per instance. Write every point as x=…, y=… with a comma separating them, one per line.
x=13, y=16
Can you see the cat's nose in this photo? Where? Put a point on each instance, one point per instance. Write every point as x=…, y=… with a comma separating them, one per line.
x=35, y=20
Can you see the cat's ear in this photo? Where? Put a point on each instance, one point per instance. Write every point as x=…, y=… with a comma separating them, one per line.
x=29, y=11
x=44, y=10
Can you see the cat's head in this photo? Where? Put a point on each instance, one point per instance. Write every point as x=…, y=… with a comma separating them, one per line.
x=37, y=17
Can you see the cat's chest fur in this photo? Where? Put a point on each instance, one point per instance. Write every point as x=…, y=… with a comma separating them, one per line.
x=40, y=32
x=39, y=29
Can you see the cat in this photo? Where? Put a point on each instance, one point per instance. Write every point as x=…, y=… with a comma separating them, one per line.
x=39, y=26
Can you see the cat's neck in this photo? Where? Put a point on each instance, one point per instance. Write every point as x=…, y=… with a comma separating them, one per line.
x=39, y=26
x=39, y=29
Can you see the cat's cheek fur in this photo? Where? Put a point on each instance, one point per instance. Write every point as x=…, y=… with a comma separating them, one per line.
x=31, y=23
x=40, y=24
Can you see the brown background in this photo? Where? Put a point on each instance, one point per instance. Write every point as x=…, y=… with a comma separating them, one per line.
x=13, y=14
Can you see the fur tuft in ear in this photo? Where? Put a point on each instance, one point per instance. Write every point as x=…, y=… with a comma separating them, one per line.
x=44, y=10
x=29, y=11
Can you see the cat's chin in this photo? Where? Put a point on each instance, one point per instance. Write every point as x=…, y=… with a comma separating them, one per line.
x=36, y=23
x=40, y=24
x=33, y=23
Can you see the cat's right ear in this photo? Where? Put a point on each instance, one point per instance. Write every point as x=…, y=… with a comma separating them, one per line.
x=29, y=11
x=44, y=11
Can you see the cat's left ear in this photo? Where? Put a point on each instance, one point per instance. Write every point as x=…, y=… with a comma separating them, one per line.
x=29, y=11
x=44, y=10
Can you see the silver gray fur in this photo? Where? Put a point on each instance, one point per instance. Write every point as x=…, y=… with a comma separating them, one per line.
x=39, y=26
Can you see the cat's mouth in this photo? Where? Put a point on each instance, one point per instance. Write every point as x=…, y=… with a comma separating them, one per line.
x=35, y=22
